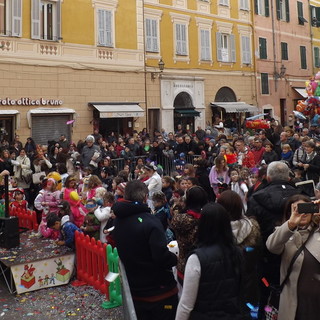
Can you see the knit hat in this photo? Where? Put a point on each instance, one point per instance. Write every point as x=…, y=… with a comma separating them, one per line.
x=121, y=187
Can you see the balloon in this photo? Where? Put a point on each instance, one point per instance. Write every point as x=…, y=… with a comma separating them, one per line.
x=300, y=106
x=317, y=77
x=74, y=196
x=317, y=92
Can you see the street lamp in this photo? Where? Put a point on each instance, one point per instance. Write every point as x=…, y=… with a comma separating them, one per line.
x=282, y=73
x=161, y=68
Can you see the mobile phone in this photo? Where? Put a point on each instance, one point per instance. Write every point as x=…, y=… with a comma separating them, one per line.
x=308, y=207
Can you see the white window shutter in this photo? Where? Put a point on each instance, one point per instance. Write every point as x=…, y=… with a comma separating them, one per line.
x=207, y=44
x=154, y=35
x=16, y=18
x=232, y=48
x=148, y=35
x=108, y=31
x=202, y=46
x=219, y=46
x=101, y=29
x=178, y=39
x=35, y=19
x=183, y=39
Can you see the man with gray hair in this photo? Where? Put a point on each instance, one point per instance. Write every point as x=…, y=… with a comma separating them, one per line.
x=91, y=154
x=267, y=206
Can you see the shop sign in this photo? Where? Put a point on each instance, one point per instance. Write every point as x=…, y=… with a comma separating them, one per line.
x=30, y=102
x=134, y=114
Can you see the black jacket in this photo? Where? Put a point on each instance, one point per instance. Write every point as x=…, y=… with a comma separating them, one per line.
x=267, y=205
x=219, y=286
x=142, y=248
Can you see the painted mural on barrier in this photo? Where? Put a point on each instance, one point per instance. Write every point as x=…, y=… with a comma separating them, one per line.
x=43, y=274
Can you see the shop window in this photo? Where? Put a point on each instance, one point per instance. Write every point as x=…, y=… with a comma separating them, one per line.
x=11, y=18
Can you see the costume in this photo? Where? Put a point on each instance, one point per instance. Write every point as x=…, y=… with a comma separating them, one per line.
x=49, y=232
x=20, y=205
x=142, y=248
x=92, y=225
x=103, y=214
x=246, y=158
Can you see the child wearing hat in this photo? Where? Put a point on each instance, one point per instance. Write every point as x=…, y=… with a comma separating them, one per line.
x=19, y=200
x=120, y=191
x=91, y=225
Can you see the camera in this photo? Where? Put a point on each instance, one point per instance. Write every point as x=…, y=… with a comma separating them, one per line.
x=308, y=207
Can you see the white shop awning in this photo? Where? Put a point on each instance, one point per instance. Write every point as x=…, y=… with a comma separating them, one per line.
x=118, y=110
x=235, y=106
x=301, y=91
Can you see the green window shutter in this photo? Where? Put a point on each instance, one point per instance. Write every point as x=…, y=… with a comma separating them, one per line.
x=287, y=11
x=256, y=6
x=278, y=9
x=267, y=11
x=284, y=51
x=316, y=57
x=263, y=48
x=318, y=16
x=303, y=57
x=264, y=83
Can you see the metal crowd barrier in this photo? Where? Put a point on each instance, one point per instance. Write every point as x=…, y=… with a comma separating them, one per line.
x=167, y=163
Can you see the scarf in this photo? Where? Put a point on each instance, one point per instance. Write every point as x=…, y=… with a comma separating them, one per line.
x=194, y=214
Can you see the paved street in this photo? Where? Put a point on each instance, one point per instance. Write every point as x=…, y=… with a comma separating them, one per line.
x=59, y=303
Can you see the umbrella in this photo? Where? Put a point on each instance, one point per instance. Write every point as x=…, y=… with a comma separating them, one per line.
x=257, y=116
x=299, y=115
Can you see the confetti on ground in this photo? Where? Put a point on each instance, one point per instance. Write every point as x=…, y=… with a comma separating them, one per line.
x=56, y=303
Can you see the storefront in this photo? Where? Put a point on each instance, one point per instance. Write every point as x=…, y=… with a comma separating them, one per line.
x=119, y=118
x=9, y=123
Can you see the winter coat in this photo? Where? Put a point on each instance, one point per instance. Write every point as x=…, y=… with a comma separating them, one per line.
x=25, y=163
x=68, y=230
x=87, y=154
x=286, y=242
x=142, y=248
x=313, y=171
x=268, y=157
x=103, y=214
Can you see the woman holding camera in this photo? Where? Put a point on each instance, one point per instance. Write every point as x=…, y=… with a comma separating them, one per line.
x=300, y=296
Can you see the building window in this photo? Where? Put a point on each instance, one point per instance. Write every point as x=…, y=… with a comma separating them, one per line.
x=45, y=23
x=264, y=83
x=301, y=19
x=105, y=30
x=246, y=50
x=303, y=57
x=284, y=51
x=263, y=48
x=244, y=5
x=11, y=18
x=226, y=49
x=261, y=7
x=205, y=47
x=315, y=16
x=283, y=12
x=152, y=41
x=316, y=51
x=181, y=40
x=224, y=2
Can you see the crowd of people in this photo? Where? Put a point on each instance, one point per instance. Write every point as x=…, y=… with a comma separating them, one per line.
x=230, y=202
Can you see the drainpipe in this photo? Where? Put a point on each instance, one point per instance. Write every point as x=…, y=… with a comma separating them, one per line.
x=274, y=49
x=145, y=68
x=254, y=59
x=311, y=37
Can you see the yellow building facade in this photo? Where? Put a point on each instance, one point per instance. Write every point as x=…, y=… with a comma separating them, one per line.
x=96, y=62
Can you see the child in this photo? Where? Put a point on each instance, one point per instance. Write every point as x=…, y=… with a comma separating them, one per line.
x=180, y=163
x=269, y=154
x=119, y=193
x=287, y=153
x=191, y=182
x=106, y=178
x=93, y=183
x=103, y=213
x=19, y=202
x=65, y=210
x=162, y=212
x=67, y=229
x=231, y=157
x=48, y=232
x=238, y=186
x=48, y=199
x=167, y=187
x=91, y=225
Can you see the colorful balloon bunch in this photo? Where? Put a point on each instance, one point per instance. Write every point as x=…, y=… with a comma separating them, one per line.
x=311, y=106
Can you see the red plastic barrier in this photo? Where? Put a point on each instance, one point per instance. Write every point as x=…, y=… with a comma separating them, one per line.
x=92, y=266
x=27, y=218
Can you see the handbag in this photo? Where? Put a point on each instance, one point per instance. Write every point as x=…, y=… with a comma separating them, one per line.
x=37, y=177
x=272, y=308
